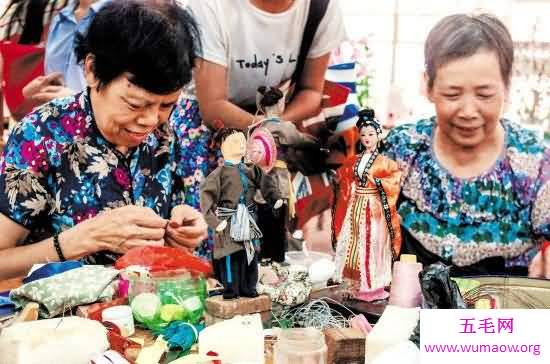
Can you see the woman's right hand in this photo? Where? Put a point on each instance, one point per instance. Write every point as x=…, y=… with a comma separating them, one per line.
x=121, y=229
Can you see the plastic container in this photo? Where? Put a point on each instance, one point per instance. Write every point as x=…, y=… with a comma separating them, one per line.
x=122, y=317
x=300, y=346
x=182, y=295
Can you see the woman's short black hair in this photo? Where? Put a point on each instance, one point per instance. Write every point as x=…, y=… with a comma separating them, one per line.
x=156, y=41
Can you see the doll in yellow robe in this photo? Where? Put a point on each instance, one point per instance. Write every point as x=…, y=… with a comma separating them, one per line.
x=365, y=222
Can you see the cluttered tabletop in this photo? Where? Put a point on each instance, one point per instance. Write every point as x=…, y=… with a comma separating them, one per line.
x=158, y=305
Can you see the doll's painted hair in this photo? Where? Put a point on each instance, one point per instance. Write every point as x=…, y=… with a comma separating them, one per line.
x=268, y=96
x=222, y=134
x=366, y=118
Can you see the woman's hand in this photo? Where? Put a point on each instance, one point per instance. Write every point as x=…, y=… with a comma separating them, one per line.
x=45, y=88
x=186, y=229
x=540, y=265
x=119, y=230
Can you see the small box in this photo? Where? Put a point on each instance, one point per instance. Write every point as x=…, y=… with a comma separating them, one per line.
x=345, y=346
x=211, y=320
x=225, y=309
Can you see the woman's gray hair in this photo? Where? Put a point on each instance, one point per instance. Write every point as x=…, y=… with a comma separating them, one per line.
x=461, y=35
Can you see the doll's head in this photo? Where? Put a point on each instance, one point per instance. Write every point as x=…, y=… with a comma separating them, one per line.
x=270, y=100
x=233, y=144
x=369, y=131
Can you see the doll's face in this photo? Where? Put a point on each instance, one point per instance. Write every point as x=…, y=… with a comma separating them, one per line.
x=256, y=153
x=234, y=147
x=368, y=137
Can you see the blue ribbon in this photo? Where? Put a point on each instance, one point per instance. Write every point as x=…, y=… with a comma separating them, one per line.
x=52, y=269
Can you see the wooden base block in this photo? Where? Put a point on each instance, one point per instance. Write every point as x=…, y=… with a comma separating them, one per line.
x=218, y=307
x=345, y=346
x=211, y=320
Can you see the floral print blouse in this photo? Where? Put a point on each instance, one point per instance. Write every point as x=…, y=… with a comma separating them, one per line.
x=505, y=212
x=58, y=170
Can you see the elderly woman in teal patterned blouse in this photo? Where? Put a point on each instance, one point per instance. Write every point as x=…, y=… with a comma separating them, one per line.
x=475, y=187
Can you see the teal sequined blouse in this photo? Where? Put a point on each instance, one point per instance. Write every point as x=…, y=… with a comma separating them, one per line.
x=505, y=212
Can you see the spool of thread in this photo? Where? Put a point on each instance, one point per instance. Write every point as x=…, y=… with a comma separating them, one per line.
x=405, y=286
x=360, y=323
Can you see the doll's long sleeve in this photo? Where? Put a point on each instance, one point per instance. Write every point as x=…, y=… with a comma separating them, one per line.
x=209, y=198
x=390, y=176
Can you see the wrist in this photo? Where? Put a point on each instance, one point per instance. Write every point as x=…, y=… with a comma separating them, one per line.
x=76, y=243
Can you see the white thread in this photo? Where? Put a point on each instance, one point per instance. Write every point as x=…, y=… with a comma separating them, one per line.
x=317, y=314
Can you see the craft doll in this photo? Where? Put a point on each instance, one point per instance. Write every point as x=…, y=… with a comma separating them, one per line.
x=226, y=200
x=288, y=140
x=365, y=224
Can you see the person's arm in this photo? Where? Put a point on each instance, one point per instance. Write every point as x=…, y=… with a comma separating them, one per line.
x=307, y=102
x=211, y=89
x=115, y=230
x=17, y=260
x=43, y=89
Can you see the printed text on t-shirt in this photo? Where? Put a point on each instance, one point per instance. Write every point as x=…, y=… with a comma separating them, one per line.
x=263, y=63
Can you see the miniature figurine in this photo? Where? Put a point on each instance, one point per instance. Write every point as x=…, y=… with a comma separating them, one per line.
x=365, y=222
x=227, y=198
x=289, y=141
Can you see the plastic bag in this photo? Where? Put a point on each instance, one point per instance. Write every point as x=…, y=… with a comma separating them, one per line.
x=162, y=259
x=438, y=289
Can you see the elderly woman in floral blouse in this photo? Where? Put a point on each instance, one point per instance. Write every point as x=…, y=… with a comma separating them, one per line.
x=92, y=175
x=475, y=190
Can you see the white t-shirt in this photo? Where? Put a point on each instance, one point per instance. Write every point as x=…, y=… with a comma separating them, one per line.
x=260, y=48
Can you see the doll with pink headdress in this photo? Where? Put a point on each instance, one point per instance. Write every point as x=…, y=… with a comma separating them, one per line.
x=290, y=145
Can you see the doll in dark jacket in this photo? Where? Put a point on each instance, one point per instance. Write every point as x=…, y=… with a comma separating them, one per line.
x=227, y=202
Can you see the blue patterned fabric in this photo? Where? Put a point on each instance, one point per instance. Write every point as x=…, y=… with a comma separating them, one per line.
x=58, y=170
x=503, y=212
x=199, y=156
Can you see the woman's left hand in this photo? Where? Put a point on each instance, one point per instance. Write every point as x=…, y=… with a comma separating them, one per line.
x=186, y=228
x=540, y=265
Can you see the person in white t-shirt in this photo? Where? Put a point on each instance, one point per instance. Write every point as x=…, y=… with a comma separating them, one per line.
x=253, y=43
x=248, y=44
